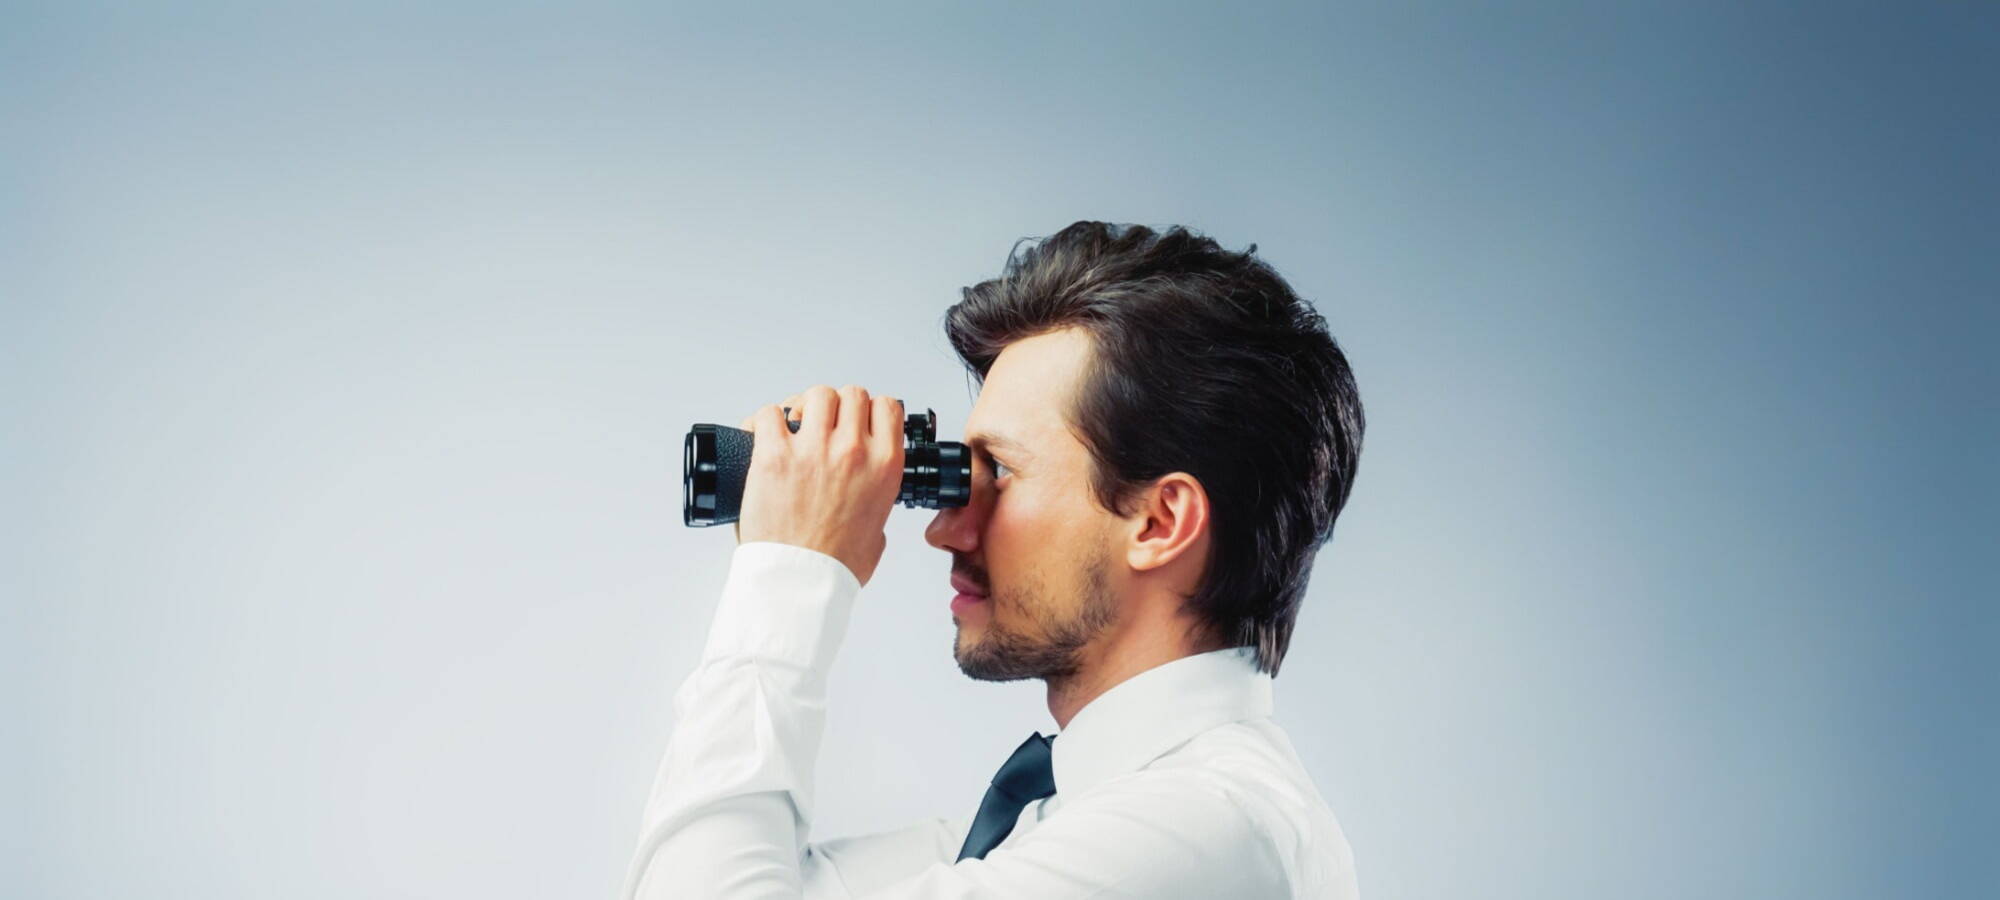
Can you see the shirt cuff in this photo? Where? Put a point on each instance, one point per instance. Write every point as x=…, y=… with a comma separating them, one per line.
x=782, y=603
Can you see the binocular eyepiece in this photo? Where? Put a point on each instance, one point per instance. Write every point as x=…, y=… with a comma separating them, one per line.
x=936, y=474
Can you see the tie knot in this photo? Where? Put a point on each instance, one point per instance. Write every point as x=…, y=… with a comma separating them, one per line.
x=1028, y=774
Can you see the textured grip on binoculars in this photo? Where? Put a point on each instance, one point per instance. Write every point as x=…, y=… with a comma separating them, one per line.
x=732, y=469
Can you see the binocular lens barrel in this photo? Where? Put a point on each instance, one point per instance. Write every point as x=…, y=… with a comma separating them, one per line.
x=716, y=462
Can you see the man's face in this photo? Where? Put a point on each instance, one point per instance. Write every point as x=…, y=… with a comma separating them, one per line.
x=1031, y=539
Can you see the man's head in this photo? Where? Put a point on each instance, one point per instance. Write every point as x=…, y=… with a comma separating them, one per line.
x=1175, y=431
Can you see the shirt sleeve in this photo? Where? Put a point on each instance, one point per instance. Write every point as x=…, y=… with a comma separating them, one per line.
x=732, y=801
x=864, y=864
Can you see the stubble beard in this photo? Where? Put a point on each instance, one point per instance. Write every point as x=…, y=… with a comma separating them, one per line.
x=1002, y=654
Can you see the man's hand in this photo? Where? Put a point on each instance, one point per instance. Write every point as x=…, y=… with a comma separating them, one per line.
x=830, y=486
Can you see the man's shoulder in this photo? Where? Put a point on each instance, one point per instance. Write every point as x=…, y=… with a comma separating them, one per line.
x=1251, y=749
x=1253, y=765
x=1247, y=763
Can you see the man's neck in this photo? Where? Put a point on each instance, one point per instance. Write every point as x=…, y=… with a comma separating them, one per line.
x=1107, y=667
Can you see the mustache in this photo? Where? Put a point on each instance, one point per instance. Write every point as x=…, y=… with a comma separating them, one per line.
x=974, y=576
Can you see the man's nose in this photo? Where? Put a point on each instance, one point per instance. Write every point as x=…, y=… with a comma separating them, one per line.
x=956, y=528
x=952, y=529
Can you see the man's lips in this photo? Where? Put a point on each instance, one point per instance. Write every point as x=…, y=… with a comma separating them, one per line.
x=965, y=585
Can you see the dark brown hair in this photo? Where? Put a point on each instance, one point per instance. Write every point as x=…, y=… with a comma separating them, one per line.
x=1204, y=361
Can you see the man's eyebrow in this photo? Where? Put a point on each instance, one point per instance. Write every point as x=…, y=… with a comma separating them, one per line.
x=996, y=442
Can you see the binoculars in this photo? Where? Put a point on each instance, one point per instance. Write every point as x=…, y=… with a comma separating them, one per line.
x=936, y=474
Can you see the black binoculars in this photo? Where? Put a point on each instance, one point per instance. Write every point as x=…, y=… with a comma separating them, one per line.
x=936, y=474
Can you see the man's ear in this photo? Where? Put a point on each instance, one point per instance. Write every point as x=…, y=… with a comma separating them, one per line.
x=1172, y=521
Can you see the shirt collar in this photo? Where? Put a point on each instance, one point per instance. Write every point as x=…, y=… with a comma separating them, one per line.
x=1152, y=712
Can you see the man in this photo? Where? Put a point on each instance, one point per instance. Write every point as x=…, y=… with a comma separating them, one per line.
x=1162, y=440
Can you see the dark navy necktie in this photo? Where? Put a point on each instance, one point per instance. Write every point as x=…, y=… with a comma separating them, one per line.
x=1026, y=777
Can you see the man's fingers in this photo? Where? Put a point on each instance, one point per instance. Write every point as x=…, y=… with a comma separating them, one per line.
x=853, y=424
x=795, y=406
x=750, y=421
x=886, y=425
x=818, y=419
x=768, y=424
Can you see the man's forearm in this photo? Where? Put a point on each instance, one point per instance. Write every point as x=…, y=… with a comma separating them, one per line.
x=731, y=805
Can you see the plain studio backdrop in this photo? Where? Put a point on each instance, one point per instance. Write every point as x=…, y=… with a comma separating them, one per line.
x=346, y=354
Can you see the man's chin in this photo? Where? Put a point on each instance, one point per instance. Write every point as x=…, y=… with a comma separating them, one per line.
x=964, y=653
x=980, y=664
x=977, y=672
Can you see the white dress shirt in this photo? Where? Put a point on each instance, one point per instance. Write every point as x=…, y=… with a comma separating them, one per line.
x=1172, y=783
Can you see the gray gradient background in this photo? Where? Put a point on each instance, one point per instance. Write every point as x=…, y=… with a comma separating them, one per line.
x=345, y=357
